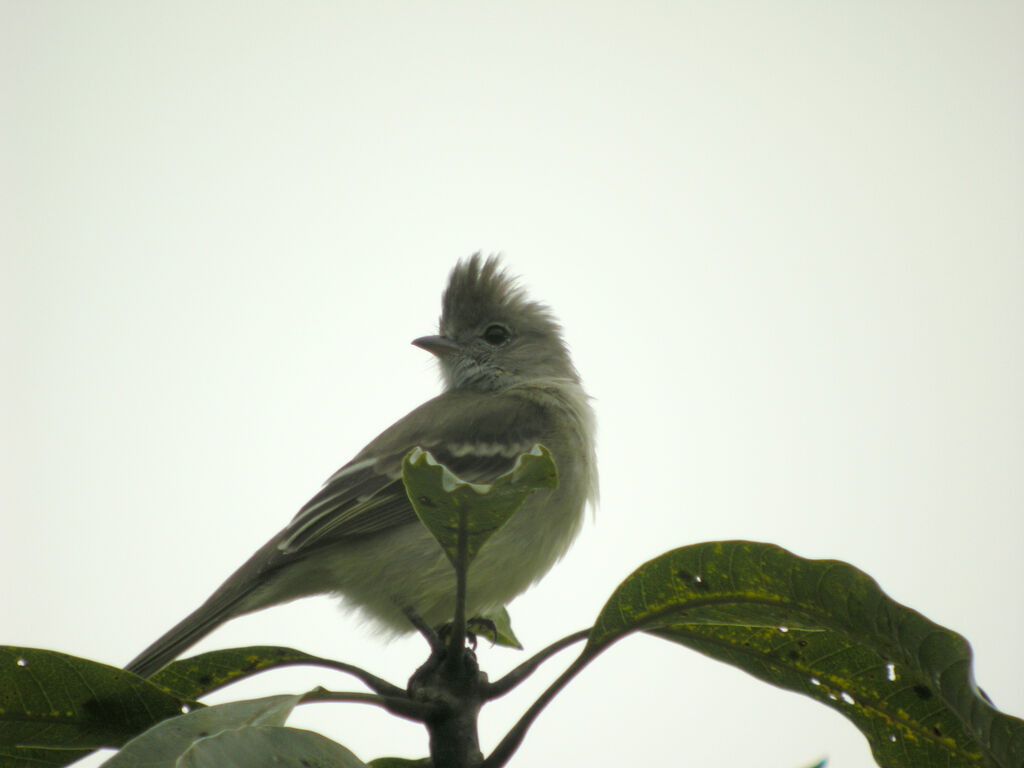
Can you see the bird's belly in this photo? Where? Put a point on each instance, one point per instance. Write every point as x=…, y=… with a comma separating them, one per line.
x=381, y=576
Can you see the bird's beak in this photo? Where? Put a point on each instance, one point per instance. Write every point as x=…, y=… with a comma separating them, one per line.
x=436, y=345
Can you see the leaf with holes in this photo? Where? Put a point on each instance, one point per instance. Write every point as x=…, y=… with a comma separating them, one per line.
x=824, y=629
x=52, y=705
x=444, y=502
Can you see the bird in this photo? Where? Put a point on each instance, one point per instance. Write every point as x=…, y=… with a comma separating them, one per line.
x=509, y=383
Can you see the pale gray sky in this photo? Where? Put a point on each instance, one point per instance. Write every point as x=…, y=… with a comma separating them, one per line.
x=785, y=240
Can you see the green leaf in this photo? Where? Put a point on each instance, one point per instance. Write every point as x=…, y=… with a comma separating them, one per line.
x=443, y=501
x=824, y=629
x=163, y=744
x=496, y=626
x=39, y=757
x=198, y=675
x=52, y=700
x=401, y=762
x=260, y=746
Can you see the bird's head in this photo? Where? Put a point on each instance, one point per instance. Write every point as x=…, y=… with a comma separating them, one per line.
x=491, y=335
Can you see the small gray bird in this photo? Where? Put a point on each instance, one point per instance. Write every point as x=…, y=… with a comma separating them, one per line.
x=509, y=383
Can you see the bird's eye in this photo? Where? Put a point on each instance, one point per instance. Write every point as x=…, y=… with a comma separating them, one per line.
x=496, y=335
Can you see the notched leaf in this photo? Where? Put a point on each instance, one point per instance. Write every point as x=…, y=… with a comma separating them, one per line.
x=445, y=503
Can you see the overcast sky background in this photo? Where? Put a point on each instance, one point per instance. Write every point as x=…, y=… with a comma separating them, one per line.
x=785, y=239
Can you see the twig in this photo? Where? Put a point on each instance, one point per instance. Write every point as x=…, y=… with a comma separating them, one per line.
x=457, y=640
x=374, y=683
x=516, y=676
x=510, y=743
x=401, y=706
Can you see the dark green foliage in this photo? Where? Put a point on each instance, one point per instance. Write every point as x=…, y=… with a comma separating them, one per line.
x=54, y=708
x=824, y=629
x=821, y=628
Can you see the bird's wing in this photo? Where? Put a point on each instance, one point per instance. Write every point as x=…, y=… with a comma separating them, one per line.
x=478, y=436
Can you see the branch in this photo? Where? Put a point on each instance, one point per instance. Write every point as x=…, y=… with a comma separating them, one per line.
x=510, y=743
x=374, y=683
x=457, y=640
x=401, y=706
x=516, y=676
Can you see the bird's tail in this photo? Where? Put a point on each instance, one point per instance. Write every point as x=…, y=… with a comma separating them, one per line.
x=185, y=634
x=236, y=596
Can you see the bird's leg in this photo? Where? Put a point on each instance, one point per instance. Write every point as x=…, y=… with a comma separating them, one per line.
x=445, y=633
x=481, y=626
